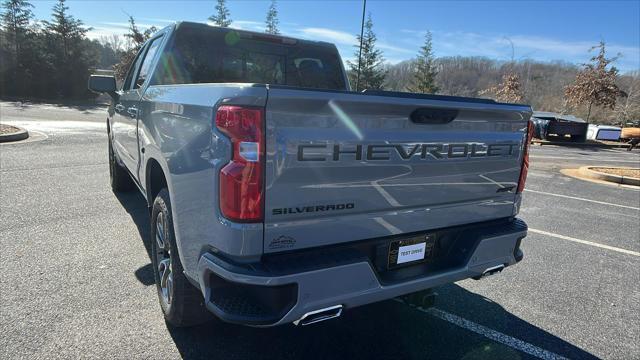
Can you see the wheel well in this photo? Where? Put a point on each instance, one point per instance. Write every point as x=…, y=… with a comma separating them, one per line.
x=155, y=179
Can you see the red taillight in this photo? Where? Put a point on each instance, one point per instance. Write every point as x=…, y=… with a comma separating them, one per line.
x=525, y=158
x=241, y=179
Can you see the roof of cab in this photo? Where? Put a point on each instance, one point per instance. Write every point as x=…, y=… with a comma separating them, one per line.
x=196, y=25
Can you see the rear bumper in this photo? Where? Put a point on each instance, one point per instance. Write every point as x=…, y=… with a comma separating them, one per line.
x=283, y=292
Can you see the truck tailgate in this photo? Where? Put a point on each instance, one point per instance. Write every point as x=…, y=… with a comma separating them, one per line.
x=346, y=166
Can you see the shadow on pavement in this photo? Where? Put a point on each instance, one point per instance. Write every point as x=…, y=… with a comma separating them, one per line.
x=135, y=204
x=84, y=106
x=385, y=330
x=592, y=147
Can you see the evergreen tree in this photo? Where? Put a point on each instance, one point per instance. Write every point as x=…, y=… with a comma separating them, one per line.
x=272, y=19
x=67, y=29
x=222, y=16
x=424, y=80
x=372, y=74
x=16, y=47
x=15, y=22
x=67, y=45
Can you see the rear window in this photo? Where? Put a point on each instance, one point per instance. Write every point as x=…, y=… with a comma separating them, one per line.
x=212, y=55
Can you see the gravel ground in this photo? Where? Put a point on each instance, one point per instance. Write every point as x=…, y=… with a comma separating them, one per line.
x=619, y=171
x=77, y=281
x=8, y=129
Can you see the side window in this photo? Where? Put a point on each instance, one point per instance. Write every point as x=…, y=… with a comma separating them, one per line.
x=145, y=69
x=132, y=70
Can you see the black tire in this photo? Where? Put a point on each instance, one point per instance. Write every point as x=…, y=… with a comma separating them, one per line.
x=578, y=138
x=118, y=176
x=182, y=304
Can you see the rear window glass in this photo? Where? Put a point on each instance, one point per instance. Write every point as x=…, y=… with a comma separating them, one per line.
x=209, y=55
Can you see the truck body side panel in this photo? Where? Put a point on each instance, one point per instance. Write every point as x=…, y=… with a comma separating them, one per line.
x=176, y=129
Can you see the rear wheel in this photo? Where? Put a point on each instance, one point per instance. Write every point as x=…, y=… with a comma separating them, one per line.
x=182, y=304
x=118, y=176
x=578, y=138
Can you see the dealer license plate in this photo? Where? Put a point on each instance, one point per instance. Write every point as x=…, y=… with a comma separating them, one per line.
x=410, y=251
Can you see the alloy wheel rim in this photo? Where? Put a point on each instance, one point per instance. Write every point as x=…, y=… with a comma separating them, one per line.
x=163, y=255
x=111, y=162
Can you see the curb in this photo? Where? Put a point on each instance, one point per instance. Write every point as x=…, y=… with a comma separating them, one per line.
x=581, y=144
x=592, y=174
x=21, y=134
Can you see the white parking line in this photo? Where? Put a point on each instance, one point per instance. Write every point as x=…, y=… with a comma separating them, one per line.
x=584, y=159
x=585, y=242
x=494, y=335
x=539, y=174
x=492, y=181
x=582, y=199
x=615, y=151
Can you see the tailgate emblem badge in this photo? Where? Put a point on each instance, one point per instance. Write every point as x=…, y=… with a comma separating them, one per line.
x=282, y=242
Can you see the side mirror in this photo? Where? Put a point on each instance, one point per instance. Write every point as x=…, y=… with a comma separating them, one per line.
x=103, y=84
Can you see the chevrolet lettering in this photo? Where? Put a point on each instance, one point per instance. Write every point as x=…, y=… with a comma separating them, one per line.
x=382, y=152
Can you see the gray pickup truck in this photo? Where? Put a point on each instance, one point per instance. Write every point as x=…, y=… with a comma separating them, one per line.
x=278, y=195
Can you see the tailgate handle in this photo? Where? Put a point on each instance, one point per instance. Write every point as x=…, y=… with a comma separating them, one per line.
x=433, y=116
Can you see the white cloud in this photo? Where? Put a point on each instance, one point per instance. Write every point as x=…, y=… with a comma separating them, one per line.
x=156, y=20
x=98, y=31
x=243, y=25
x=498, y=46
x=446, y=43
x=108, y=28
x=394, y=60
x=334, y=36
x=246, y=25
x=344, y=38
x=125, y=25
x=386, y=46
x=563, y=47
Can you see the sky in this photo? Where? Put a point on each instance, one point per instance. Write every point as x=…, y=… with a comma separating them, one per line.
x=538, y=30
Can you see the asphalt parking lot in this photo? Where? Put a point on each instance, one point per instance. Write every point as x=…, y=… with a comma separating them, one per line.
x=77, y=281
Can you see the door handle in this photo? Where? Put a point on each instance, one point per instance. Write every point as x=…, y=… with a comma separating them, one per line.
x=433, y=116
x=119, y=108
x=133, y=112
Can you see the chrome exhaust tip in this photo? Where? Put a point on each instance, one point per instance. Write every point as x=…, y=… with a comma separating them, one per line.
x=493, y=270
x=316, y=316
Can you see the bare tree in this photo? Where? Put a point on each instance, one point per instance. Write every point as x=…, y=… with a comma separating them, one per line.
x=629, y=107
x=595, y=84
x=114, y=41
x=509, y=90
x=137, y=39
